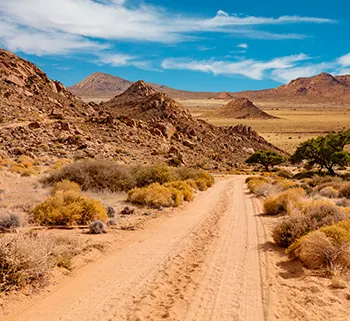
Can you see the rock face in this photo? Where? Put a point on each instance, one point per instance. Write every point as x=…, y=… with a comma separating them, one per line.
x=27, y=93
x=240, y=108
x=40, y=118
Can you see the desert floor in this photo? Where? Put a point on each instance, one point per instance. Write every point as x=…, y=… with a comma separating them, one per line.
x=297, y=122
x=211, y=259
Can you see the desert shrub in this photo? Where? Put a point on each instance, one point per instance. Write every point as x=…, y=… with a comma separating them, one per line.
x=10, y=221
x=201, y=184
x=343, y=202
x=328, y=247
x=191, y=183
x=108, y=175
x=184, y=188
x=94, y=175
x=147, y=175
x=285, y=184
x=304, y=175
x=26, y=259
x=255, y=182
x=156, y=195
x=285, y=173
x=97, y=227
x=329, y=192
x=345, y=190
x=68, y=208
x=23, y=260
x=185, y=173
x=266, y=189
x=65, y=186
x=312, y=216
x=277, y=204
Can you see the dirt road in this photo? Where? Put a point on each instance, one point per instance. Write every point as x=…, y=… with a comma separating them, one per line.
x=202, y=263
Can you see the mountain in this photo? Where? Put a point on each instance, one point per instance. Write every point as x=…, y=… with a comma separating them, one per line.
x=240, y=108
x=104, y=86
x=323, y=88
x=40, y=118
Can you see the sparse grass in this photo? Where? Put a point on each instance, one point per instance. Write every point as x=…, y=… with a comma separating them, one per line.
x=305, y=217
x=278, y=204
x=68, y=208
x=345, y=190
x=329, y=192
x=326, y=248
x=26, y=259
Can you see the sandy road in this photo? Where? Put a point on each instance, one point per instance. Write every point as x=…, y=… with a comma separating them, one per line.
x=202, y=263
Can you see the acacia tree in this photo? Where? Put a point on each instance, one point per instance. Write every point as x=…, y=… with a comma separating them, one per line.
x=324, y=151
x=266, y=158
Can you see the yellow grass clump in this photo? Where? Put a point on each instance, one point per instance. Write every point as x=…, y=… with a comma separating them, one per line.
x=307, y=217
x=326, y=248
x=184, y=188
x=345, y=190
x=68, y=208
x=156, y=195
x=278, y=204
x=65, y=186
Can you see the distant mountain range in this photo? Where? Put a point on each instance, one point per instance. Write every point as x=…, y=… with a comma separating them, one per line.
x=323, y=88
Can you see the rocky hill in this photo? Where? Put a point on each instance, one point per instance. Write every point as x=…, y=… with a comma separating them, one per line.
x=41, y=119
x=104, y=86
x=224, y=96
x=240, y=108
x=100, y=85
x=323, y=88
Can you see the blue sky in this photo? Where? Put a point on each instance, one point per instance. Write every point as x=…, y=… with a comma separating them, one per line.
x=221, y=45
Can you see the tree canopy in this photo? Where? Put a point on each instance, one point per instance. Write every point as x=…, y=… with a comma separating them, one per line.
x=266, y=158
x=324, y=151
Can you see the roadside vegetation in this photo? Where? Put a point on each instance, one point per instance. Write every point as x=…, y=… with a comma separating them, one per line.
x=312, y=208
x=28, y=256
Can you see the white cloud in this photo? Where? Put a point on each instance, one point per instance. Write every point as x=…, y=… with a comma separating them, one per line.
x=250, y=68
x=83, y=20
x=242, y=45
x=121, y=60
x=43, y=43
x=286, y=75
x=345, y=60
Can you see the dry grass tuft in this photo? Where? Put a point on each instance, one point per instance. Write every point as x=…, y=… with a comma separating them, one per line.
x=345, y=190
x=306, y=217
x=65, y=186
x=278, y=204
x=68, y=208
x=156, y=195
x=26, y=259
x=329, y=192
